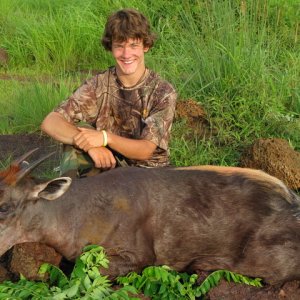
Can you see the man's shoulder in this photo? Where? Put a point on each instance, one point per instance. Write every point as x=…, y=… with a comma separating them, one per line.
x=159, y=83
x=102, y=74
x=103, y=77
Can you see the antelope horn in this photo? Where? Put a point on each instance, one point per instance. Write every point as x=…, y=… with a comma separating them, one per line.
x=18, y=161
x=23, y=172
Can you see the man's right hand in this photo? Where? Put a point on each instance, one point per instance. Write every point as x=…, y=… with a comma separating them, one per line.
x=88, y=138
x=102, y=157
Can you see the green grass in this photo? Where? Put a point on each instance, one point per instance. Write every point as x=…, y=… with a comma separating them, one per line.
x=241, y=62
x=24, y=105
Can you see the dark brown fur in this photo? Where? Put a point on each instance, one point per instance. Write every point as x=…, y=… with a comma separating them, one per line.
x=198, y=218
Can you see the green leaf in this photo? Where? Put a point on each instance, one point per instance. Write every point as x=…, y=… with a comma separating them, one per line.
x=22, y=277
x=78, y=271
x=87, y=282
x=162, y=289
x=158, y=273
x=56, y=276
x=130, y=289
x=147, y=289
x=165, y=276
x=90, y=248
x=73, y=290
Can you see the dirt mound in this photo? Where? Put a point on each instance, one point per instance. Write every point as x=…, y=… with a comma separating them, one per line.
x=27, y=258
x=3, y=57
x=232, y=291
x=276, y=157
x=195, y=116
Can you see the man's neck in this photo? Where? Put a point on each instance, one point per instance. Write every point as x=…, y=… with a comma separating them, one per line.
x=132, y=79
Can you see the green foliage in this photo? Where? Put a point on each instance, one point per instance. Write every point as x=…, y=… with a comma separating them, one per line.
x=86, y=282
x=29, y=105
x=163, y=283
x=239, y=59
x=24, y=290
x=214, y=278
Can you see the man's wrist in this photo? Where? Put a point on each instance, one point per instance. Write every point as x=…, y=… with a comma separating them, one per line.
x=104, y=133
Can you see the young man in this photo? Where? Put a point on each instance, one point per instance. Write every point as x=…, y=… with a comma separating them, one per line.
x=129, y=108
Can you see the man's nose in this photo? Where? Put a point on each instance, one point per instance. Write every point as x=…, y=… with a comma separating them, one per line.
x=126, y=52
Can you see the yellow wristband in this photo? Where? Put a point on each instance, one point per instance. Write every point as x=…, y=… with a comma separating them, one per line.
x=104, y=138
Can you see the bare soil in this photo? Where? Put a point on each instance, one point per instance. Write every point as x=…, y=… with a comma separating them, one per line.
x=195, y=118
x=3, y=57
x=276, y=157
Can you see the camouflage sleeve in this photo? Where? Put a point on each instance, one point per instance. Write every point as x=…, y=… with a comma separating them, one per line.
x=81, y=105
x=159, y=121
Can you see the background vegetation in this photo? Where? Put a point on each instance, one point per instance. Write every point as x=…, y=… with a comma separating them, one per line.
x=239, y=59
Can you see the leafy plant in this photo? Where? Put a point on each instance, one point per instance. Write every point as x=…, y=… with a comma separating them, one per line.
x=214, y=278
x=164, y=283
x=86, y=282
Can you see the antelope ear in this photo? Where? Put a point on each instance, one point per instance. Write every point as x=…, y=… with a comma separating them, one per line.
x=52, y=189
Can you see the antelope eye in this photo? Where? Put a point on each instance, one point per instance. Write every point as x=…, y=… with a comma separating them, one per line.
x=4, y=208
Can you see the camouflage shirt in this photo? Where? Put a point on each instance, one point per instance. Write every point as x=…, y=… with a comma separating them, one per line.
x=144, y=111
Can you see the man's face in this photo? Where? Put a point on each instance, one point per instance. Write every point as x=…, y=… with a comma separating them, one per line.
x=129, y=57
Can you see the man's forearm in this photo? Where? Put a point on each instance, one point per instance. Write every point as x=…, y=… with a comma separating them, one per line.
x=130, y=148
x=61, y=130
x=58, y=128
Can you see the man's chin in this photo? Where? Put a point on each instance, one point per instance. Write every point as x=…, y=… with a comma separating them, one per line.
x=128, y=71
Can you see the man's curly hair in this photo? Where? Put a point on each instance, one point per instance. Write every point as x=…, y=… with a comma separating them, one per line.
x=127, y=24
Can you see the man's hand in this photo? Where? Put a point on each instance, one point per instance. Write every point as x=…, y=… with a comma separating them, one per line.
x=129, y=147
x=102, y=157
x=88, y=138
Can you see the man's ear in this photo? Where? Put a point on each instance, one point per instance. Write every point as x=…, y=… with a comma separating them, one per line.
x=146, y=49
